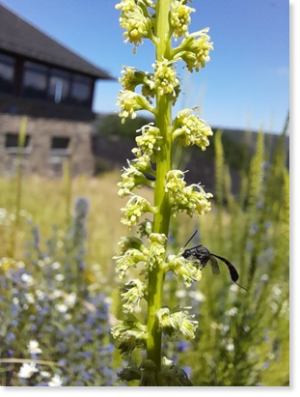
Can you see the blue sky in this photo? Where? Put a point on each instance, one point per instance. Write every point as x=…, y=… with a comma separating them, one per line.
x=246, y=83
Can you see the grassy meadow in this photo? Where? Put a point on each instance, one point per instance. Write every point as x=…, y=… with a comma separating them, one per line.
x=59, y=291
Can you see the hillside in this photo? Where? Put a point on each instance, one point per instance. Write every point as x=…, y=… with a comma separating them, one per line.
x=112, y=143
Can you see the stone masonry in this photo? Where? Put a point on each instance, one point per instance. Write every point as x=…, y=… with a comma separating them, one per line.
x=39, y=157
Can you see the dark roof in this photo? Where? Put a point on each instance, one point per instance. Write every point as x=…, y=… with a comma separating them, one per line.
x=20, y=37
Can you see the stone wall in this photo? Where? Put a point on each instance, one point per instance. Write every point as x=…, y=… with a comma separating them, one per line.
x=38, y=157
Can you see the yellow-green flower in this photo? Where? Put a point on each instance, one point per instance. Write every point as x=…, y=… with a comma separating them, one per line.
x=180, y=18
x=130, y=334
x=165, y=78
x=185, y=270
x=157, y=248
x=135, y=207
x=179, y=321
x=191, y=198
x=128, y=260
x=132, y=77
x=134, y=21
x=149, y=139
x=133, y=292
x=130, y=102
x=131, y=178
x=126, y=5
x=191, y=130
x=195, y=50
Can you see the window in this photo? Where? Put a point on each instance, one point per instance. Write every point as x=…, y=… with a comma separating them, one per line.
x=35, y=80
x=12, y=143
x=60, y=145
x=81, y=90
x=59, y=86
x=55, y=85
x=7, y=74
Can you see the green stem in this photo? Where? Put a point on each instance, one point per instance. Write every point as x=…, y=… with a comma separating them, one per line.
x=19, y=183
x=161, y=200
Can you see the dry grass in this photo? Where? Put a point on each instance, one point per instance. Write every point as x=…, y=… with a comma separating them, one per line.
x=46, y=203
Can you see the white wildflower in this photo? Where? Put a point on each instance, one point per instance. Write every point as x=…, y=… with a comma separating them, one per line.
x=61, y=308
x=3, y=213
x=20, y=264
x=264, y=277
x=276, y=290
x=55, y=381
x=56, y=265
x=108, y=300
x=70, y=299
x=230, y=347
x=96, y=267
x=12, y=217
x=40, y=294
x=27, y=279
x=57, y=293
x=45, y=374
x=59, y=277
x=233, y=288
x=225, y=328
x=27, y=370
x=274, y=307
x=181, y=293
x=197, y=295
x=41, y=263
x=33, y=347
x=232, y=312
x=30, y=298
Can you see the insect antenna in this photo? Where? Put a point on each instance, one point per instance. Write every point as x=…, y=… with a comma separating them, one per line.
x=190, y=238
x=239, y=285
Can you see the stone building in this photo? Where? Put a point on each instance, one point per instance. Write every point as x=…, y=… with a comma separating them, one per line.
x=53, y=87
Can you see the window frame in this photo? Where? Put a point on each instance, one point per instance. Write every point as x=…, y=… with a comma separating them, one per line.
x=60, y=152
x=49, y=71
x=81, y=79
x=62, y=74
x=10, y=61
x=35, y=68
x=26, y=149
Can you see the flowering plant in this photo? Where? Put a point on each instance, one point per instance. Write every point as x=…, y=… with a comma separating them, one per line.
x=158, y=21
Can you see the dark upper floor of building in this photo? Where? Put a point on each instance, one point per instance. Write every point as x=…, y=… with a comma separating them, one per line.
x=41, y=77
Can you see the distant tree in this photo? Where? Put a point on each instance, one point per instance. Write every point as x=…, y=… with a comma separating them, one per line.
x=236, y=152
x=110, y=124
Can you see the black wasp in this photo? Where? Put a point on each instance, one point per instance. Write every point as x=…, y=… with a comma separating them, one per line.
x=203, y=255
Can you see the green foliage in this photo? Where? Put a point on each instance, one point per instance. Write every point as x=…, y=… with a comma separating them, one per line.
x=236, y=152
x=243, y=337
x=255, y=323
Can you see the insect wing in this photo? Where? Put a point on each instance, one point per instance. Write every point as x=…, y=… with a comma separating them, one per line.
x=214, y=265
x=233, y=272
